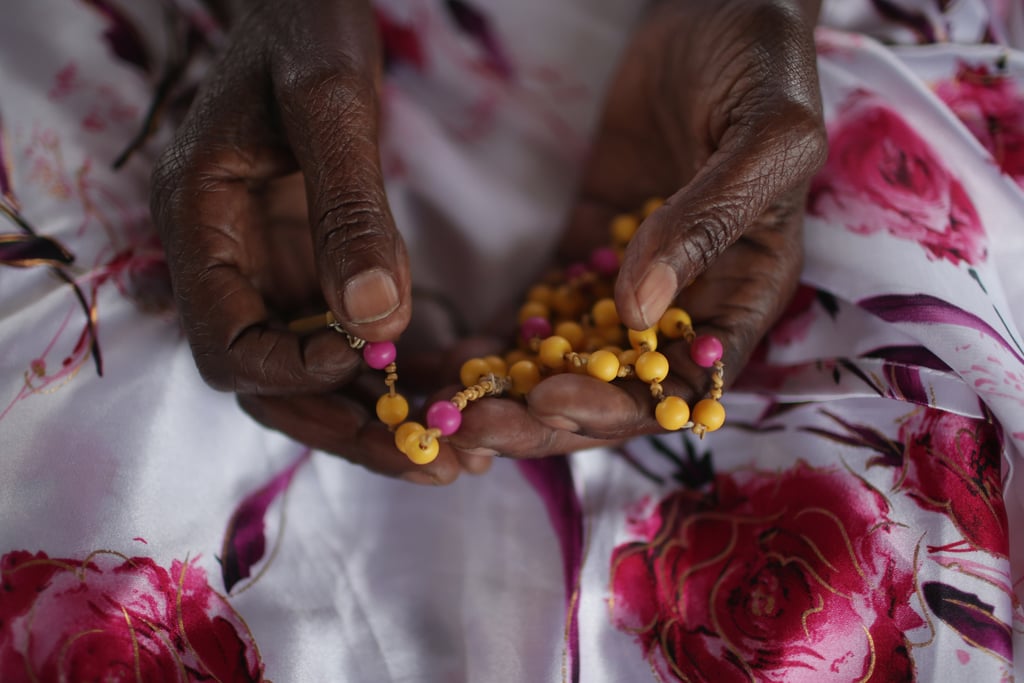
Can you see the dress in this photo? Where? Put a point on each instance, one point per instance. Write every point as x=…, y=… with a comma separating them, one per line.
x=854, y=521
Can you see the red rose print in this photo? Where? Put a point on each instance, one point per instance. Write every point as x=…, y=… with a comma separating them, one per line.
x=113, y=618
x=881, y=175
x=951, y=465
x=795, y=576
x=992, y=107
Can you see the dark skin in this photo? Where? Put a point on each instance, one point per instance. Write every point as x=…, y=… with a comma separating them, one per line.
x=715, y=107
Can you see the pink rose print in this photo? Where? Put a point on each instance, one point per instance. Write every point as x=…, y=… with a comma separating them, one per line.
x=992, y=107
x=951, y=465
x=795, y=576
x=113, y=618
x=881, y=175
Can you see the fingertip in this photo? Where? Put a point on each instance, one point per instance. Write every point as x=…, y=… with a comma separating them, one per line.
x=642, y=305
x=375, y=305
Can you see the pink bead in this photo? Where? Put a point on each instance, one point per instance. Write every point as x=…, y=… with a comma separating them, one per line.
x=379, y=355
x=575, y=271
x=535, y=327
x=604, y=261
x=705, y=350
x=444, y=417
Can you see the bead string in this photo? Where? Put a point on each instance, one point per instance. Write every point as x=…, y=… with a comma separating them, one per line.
x=558, y=332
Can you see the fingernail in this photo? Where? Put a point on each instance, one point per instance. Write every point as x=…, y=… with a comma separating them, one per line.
x=559, y=422
x=370, y=296
x=488, y=452
x=656, y=292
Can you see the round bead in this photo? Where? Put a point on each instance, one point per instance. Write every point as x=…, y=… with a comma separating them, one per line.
x=573, y=332
x=472, y=370
x=534, y=328
x=644, y=340
x=575, y=271
x=623, y=228
x=533, y=309
x=379, y=355
x=525, y=376
x=540, y=294
x=403, y=432
x=674, y=323
x=604, y=261
x=709, y=413
x=392, y=410
x=706, y=350
x=567, y=301
x=672, y=413
x=605, y=314
x=516, y=355
x=628, y=357
x=652, y=205
x=445, y=417
x=421, y=451
x=552, y=351
x=652, y=367
x=604, y=365
x=497, y=364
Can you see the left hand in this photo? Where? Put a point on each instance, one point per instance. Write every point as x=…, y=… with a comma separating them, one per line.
x=715, y=106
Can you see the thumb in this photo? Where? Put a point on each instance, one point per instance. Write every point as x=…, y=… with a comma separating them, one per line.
x=331, y=120
x=756, y=162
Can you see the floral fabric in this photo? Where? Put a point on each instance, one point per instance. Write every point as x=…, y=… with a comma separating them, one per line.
x=858, y=519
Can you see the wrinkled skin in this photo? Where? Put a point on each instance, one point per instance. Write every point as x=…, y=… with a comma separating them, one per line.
x=715, y=106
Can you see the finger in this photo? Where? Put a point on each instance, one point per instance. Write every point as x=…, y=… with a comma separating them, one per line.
x=330, y=116
x=506, y=427
x=335, y=424
x=204, y=211
x=758, y=161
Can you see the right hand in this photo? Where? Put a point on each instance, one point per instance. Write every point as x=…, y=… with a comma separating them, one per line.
x=295, y=92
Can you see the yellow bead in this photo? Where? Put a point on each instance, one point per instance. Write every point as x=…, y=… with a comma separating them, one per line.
x=567, y=302
x=644, y=340
x=516, y=355
x=652, y=205
x=497, y=365
x=652, y=367
x=628, y=357
x=472, y=370
x=552, y=351
x=403, y=432
x=421, y=451
x=573, y=333
x=672, y=413
x=612, y=335
x=533, y=309
x=604, y=365
x=540, y=294
x=392, y=410
x=605, y=314
x=674, y=323
x=525, y=376
x=623, y=228
x=709, y=413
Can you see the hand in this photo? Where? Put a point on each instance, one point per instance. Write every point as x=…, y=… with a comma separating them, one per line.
x=250, y=244
x=715, y=106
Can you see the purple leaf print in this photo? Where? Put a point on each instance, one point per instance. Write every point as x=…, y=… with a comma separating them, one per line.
x=902, y=370
x=6, y=188
x=916, y=356
x=552, y=479
x=915, y=21
x=473, y=22
x=122, y=36
x=244, y=540
x=889, y=452
x=924, y=308
x=970, y=617
x=24, y=251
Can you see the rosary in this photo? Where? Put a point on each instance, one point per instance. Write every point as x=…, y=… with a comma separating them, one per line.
x=568, y=323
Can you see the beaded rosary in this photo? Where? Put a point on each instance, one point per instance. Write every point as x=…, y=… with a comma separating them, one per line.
x=559, y=331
